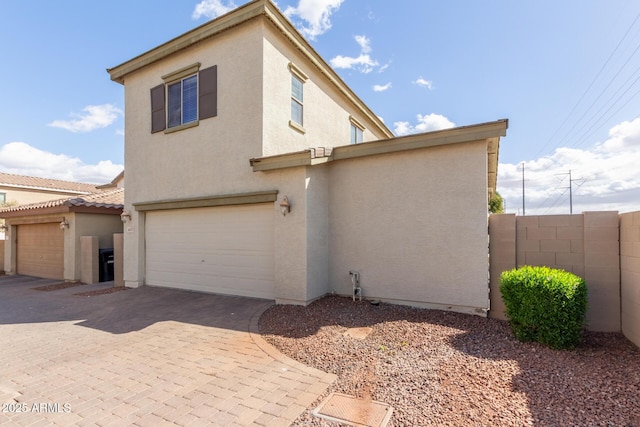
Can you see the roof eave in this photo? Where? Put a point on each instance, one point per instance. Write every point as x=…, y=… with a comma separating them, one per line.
x=491, y=131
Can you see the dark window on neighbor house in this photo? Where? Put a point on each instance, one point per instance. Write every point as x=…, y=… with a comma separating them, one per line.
x=296, y=100
x=185, y=100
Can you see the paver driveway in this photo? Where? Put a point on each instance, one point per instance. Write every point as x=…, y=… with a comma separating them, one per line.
x=146, y=356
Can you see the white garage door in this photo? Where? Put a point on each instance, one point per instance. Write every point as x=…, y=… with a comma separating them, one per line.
x=227, y=250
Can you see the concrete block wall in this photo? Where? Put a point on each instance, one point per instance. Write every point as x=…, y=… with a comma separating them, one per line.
x=602, y=270
x=586, y=245
x=1, y=256
x=502, y=257
x=630, y=275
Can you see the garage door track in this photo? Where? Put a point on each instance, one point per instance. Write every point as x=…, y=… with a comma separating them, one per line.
x=146, y=356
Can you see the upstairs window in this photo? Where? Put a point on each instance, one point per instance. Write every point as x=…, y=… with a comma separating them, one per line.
x=182, y=101
x=297, y=98
x=187, y=96
x=298, y=78
x=3, y=198
x=356, y=131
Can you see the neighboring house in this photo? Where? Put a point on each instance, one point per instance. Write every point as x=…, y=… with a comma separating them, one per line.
x=232, y=194
x=117, y=182
x=44, y=238
x=21, y=190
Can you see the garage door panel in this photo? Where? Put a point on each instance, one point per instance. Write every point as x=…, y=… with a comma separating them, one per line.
x=222, y=250
x=40, y=250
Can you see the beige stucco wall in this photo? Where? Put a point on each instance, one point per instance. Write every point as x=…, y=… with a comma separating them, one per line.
x=630, y=275
x=2, y=242
x=414, y=224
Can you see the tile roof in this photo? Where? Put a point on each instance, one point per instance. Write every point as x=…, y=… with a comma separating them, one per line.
x=33, y=182
x=113, y=199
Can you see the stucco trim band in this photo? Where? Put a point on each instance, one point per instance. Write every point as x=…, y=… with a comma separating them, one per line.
x=486, y=131
x=210, y=201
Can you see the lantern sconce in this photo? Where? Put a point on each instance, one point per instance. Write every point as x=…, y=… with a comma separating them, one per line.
x=125, y=216
x=3, y=228
x=64, y=224
x=285, y=206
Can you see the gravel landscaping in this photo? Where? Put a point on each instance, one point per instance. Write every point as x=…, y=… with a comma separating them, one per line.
x=450, y=369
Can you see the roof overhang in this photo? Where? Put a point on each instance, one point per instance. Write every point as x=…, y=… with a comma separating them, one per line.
x=60, y=210
x=243, y=14
x=489, y=132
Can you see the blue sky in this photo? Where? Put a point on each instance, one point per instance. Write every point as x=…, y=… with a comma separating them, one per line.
x=563, y=73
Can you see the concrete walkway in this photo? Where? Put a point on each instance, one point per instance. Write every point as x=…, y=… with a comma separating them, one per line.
x=146, y=357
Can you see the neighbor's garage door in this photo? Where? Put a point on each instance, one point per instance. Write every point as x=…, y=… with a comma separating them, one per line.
x=40, y=250
x=227, y=250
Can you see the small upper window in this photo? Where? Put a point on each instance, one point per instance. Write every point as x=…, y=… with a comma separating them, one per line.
x=298, y=78
x=182, y=101
x=356, y=134
x=356, y=131
x=3, y=198
x=296, y=100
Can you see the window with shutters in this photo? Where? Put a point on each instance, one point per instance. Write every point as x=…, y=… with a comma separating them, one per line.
x=187, y=96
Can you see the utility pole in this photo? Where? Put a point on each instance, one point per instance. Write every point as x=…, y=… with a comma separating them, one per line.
x=571, y=181
x=523, y=189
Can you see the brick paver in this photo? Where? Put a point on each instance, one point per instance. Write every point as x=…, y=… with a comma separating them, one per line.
x=146, y=356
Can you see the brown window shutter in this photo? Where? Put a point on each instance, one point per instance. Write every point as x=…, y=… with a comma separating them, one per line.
x=158, y=116
x=208, y=93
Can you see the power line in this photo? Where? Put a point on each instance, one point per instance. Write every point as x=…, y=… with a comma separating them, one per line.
x=551, y=139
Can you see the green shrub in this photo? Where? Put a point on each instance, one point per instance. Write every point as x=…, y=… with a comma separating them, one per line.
x=545, y=305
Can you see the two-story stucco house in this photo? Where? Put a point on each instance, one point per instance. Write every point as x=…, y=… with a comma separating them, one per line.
x=255, y=171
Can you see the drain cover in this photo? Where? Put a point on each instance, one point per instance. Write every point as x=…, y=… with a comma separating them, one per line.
x=350, y=410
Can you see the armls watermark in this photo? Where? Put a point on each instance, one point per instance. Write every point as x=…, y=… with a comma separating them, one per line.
x=38, y=407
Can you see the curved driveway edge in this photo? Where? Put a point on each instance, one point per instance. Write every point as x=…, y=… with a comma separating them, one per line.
x=146, y=356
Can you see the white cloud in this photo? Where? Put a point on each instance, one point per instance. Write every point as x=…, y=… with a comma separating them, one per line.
x=382, y=88
x=423, y=83
x=364, y=42
x=93, y=117
x=22, y=159
x=315, y=13
x=427, y=123
x=363, y=62
x=605, y=177
x=212, y=9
